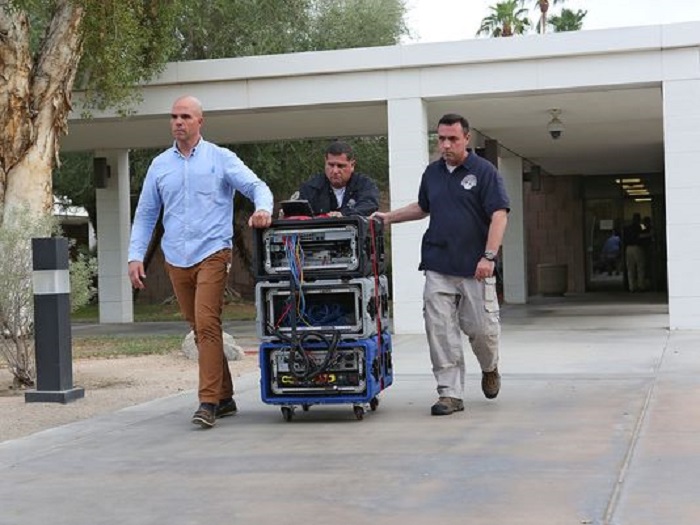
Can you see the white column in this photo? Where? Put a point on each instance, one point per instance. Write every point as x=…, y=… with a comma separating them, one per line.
x=113, y=228
x=408, y=157
x=681, y=104
x=514, y=247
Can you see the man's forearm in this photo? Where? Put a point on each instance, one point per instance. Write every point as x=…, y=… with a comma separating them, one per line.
x=497, y=230
x=410, y=212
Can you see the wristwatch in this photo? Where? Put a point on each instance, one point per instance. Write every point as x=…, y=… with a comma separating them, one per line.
x=489, y=256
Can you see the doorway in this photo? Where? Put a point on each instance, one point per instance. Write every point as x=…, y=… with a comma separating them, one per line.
x=610, y=204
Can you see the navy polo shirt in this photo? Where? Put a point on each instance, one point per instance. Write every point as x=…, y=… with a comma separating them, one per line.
x=460, y=205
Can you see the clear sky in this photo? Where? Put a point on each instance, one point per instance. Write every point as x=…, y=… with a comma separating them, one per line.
x=444, y=20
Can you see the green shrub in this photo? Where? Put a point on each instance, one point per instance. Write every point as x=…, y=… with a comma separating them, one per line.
x=17, y=295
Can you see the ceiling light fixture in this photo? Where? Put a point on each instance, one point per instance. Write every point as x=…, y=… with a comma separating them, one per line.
x=555, y=127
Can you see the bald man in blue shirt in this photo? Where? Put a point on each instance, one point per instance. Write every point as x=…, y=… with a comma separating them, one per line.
x=194, y=183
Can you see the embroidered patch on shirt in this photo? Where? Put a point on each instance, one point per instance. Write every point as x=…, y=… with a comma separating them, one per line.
x=469, y=182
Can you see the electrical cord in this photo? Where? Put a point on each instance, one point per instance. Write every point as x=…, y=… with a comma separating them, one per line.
x=301, y=364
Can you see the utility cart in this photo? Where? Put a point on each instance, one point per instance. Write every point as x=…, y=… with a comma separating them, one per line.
x=322, y=313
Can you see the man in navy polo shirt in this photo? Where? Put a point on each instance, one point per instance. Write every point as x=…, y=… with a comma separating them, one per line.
x=465, y=197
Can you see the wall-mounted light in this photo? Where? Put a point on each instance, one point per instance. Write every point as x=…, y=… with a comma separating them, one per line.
x=555, y=127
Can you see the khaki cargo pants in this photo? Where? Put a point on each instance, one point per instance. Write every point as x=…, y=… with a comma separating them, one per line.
x=451, y=306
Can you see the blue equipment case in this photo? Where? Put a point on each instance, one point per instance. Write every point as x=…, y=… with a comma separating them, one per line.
x=355, y=373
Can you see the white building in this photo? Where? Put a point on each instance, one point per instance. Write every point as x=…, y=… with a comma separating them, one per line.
x=629, y=101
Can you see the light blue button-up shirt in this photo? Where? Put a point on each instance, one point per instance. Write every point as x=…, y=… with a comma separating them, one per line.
x=196, y=194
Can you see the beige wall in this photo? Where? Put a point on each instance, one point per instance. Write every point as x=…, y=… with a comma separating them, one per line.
x=554, y=229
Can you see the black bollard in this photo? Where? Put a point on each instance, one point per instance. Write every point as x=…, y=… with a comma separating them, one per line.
x=52, y=329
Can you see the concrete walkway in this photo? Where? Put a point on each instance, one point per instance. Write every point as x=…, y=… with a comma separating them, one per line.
x=597, y=423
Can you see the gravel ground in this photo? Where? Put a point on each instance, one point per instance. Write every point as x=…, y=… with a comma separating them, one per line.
x=110, y=384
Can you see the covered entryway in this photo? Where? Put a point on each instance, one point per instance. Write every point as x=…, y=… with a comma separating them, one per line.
x=610, y=203
x=628, y=101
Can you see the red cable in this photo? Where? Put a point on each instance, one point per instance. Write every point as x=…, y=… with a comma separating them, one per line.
x=283, y=315
x=375, y=271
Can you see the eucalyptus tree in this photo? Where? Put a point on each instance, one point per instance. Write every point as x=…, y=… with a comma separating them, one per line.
x=568, y=20
x=48, y=48
x=507, y=18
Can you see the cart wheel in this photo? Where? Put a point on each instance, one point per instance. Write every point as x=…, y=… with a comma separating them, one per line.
x=359, y=412
x=373, y=404
x=287, y=413
x=305, y=407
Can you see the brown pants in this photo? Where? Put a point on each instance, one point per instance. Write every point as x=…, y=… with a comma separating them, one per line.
x=200, y=292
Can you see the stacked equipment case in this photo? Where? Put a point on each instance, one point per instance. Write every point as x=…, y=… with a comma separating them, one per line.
x=322, y=313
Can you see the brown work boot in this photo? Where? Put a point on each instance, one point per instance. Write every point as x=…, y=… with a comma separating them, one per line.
x=446, y=406
x=226, y=407
x=205, y=416
x=491, y=383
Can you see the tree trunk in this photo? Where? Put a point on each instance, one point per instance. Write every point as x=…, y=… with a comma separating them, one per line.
x=544, y=7
x=34, y=104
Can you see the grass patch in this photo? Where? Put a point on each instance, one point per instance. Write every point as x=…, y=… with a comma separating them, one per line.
x=241, y=311
x=113, y=346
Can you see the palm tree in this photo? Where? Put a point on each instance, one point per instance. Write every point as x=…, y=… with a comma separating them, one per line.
x=544, y=7
x=507, y=18
x=568, y=20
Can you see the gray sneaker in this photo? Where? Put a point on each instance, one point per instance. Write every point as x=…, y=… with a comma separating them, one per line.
x=446, y=406
x=491, y=383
